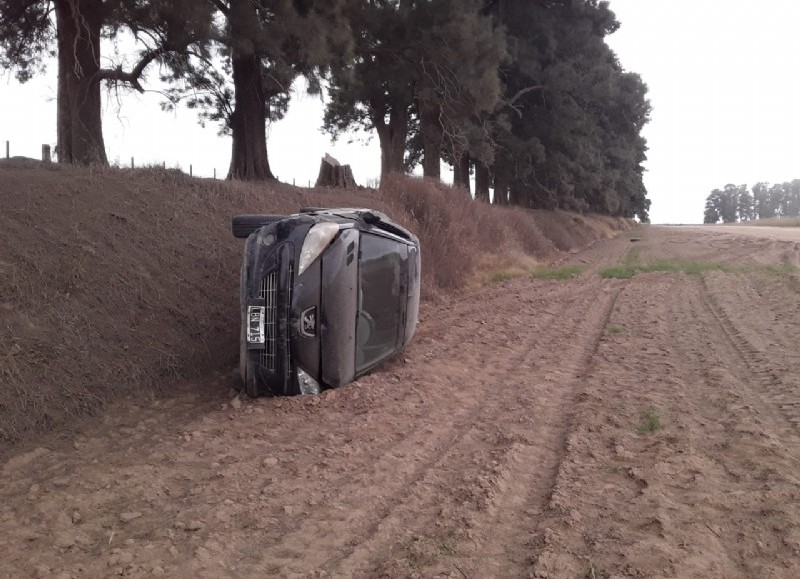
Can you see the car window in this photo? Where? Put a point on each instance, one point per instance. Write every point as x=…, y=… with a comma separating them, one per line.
x=381, y=299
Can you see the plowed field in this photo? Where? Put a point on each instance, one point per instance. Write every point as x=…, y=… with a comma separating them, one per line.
x=585, y=427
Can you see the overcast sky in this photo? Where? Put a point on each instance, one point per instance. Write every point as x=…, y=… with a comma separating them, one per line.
x=723, y=80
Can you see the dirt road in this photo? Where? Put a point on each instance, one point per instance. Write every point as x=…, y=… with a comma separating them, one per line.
x=592, y=427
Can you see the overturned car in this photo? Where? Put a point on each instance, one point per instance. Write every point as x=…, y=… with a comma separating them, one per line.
x=325, y=295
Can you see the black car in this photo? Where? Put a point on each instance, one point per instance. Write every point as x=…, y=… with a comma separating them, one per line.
x=326, y=295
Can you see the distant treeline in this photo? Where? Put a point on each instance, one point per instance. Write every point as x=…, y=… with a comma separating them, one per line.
x=523, y=94
x=738, y=203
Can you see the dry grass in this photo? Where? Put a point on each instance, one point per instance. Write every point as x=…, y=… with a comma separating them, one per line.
x=774, y=222
x=121, y=281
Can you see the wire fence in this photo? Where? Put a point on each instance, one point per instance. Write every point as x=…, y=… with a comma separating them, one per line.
x=47, y=157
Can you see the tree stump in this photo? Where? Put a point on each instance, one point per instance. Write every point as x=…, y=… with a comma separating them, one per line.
x=334, y=174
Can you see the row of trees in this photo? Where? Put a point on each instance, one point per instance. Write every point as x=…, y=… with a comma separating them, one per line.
x=737, y=203
x=524, y=94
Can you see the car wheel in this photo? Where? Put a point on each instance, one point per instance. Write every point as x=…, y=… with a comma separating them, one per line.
x=243, y=225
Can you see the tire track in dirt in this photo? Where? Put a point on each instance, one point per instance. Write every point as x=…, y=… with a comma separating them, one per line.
x=515, y=517
x=775, y=390
x=533, y=442
x=191, y=460
x=390, y=481
x=693, y=302
x=744, y=431
x=446, y=410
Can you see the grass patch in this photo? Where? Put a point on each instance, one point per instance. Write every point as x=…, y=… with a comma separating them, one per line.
x=614, y=330
x=618, y=272
x=561, y=273
x=505, y=275
x=651, y=421
x=632, y=267
x=697, y=267
x=780, y=270
x=627, y=270
x=664, y=265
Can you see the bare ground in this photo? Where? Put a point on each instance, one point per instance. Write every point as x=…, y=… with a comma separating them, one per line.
x=510, y=440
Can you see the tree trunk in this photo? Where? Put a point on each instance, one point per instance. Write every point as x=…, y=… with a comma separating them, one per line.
x=518, y=196
x=79, y=121
x=392, y=137
x=249, y=158
x=461, y=172
x=503, y=176
x=432, y=132
x=334, y=174
x=501, y=184
x=481, y=182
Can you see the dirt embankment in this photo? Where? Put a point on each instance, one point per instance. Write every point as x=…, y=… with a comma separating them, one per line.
x=565, y=428
x=114, y=281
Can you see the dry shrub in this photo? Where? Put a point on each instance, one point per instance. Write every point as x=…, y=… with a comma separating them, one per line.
x=125, y=281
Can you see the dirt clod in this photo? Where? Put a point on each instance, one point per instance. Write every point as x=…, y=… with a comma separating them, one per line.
x=129, y=516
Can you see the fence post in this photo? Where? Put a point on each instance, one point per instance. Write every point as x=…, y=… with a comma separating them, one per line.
x=46, y=153
x=131, y=162
x=215, y=172
x=8, y=149
x=164, y=165
x=190, y=170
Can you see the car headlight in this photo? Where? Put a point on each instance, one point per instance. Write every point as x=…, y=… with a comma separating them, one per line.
x=307, y=384
x=317, y=239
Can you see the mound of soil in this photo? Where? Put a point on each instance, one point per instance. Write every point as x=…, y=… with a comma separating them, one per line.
x=122, y=281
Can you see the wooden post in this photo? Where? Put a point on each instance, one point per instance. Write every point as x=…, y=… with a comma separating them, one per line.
x=8, y=149
x=46, y=153
x=190, y=170
x=164, y=165
x=131, y=162
x=215, y=172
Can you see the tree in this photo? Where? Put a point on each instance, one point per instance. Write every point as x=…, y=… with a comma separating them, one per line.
x=713, y=201
x=373, y=90
x=30, y=28
x=729, y=203
x=262, y=46
x=746, y=204
x=568, y=132
x=791, y=199
x=420, y=70
x=458, y=53
x=761, y=201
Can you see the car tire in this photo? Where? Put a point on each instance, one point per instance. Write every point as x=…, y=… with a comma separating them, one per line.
x=243, y=225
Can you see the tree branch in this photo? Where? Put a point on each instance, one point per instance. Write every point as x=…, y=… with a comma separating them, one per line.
x=511, y=103
x=221, y=6
x=130, y=77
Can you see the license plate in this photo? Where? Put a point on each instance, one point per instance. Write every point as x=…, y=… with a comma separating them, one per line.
x=255, y=324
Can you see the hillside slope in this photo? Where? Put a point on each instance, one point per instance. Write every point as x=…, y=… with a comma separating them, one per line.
x=113, y=281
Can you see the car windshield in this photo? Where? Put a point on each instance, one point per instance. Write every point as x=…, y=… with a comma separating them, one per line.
x=380, y=305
